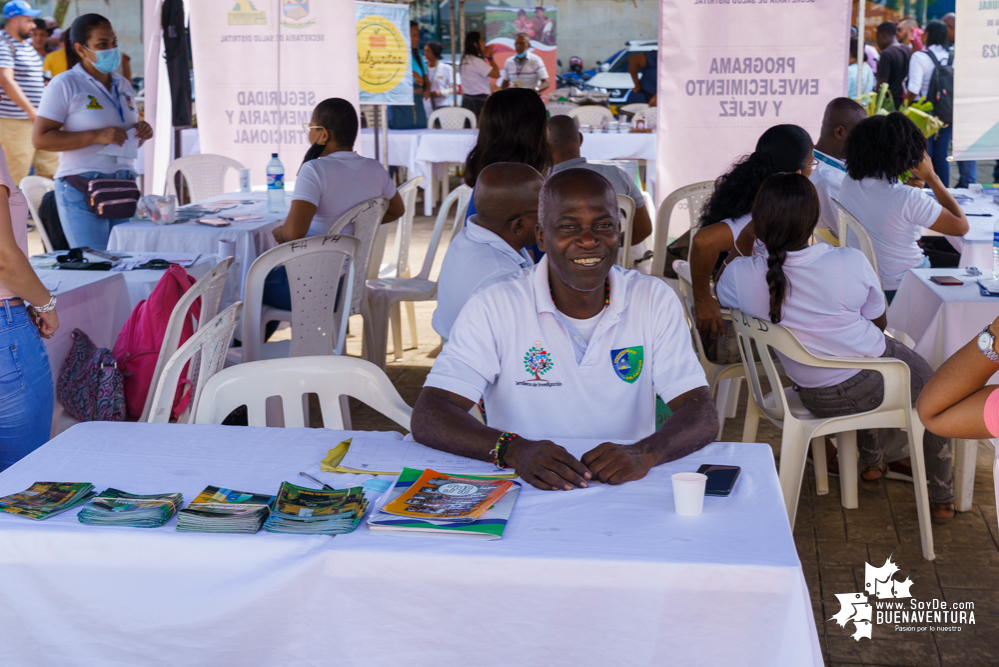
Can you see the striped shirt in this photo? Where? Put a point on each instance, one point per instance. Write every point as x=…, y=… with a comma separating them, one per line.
x=27, y=66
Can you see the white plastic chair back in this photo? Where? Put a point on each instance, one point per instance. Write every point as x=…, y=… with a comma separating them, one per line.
x=318, y=321
x=848, y=222
x=204, y=173
x=627, y=206
x=451, y=118
x=251, y=384
x=695, y=196
x=783, y=407
x=462, y=195
x=399, y=264
x=650, y=116
x=366, y=218
x=634, y=107
x=209, y=289
x=560, y=108
x=591, y=114
x=34, y=188
x=205, y=351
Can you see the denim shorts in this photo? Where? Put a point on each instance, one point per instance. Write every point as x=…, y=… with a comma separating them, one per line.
x=82, y=228
x=26, y=392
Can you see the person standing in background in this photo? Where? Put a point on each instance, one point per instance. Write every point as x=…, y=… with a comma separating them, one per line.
x=22, y=82
x=405, y=117
x=40, y=37
x=524, y=69
x=477, y=68
x=441, y=77
x=643, y=68
x=909, y=35
x=867, y=82
x=921, y=66
x=968, y=169
x=55, y=62
x=893, y=66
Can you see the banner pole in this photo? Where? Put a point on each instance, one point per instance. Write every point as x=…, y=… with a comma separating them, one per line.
x=861, y=11
x=384, y=128
x=454, y=62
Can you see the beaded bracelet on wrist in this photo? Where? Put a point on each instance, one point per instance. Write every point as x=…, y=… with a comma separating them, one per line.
x=499, y=451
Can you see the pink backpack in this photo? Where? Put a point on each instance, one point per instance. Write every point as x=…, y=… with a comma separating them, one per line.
x=138, y=345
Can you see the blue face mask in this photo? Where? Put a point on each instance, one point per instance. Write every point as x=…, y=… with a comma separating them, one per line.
x=522, y=55
x=108, y=60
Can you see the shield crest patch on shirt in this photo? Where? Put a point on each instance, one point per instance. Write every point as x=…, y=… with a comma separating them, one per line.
x=628, y=362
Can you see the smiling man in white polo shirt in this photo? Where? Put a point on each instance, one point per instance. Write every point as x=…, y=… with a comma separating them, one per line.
x=575, y=348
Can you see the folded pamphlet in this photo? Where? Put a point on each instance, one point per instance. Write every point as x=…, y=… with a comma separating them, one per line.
x=307, y=511
x=383, y=456
x=44, y=499
x=117, y=508
x=217, y=510
x=488, y=525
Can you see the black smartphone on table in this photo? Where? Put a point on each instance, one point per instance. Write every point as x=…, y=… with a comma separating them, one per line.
x=721, y=479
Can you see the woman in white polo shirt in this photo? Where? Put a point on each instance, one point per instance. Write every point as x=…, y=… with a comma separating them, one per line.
x=830, y=298
x=82, y=111
x=476, y=69
x=921, y=66
x=332, y=180
x=879, y=152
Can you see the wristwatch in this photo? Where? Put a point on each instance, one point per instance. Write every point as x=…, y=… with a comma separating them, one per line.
x=986, y=343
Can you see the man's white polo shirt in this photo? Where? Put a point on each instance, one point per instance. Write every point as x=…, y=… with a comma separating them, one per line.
x=509, y=345
x=476, y=258
x=827, y=177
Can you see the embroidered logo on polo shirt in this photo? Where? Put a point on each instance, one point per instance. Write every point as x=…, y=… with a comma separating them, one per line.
x=537, y=362
x=94, y=104
x=628, y=362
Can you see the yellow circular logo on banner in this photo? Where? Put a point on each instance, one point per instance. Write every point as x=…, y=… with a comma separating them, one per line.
x=382, y=57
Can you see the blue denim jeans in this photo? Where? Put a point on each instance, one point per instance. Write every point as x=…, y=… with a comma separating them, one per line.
x=939, y=147
x=83, y=228
x=26, y=393
x=969, y=173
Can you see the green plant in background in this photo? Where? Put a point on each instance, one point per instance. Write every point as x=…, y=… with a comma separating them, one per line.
x=60, y=11
x=920, y=112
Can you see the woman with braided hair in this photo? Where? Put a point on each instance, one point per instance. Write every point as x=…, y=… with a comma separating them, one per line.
x=726, y=213
x=831, y=299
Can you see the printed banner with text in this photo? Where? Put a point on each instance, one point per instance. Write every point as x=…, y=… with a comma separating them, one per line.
x=383, y=54
x=261, y=67
x=729, y=69
x=976, y=80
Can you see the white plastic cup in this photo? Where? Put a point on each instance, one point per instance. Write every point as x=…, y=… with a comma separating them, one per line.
x=244, y=181
x=227, y=248
x=688, y=493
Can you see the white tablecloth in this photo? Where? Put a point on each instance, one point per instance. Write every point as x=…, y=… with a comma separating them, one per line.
x=98, y=303
x=602, y=576
x=252, y=238
x=976, y=246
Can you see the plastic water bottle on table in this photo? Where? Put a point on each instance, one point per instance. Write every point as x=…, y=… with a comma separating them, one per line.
x=275, y=185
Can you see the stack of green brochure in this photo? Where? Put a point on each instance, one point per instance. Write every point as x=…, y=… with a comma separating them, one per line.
x=218, y=510
x=117, y=508
x=45, y=499
x=312, y=511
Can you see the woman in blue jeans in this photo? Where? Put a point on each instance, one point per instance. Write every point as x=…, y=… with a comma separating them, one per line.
x=26, y=394
x=84, y=113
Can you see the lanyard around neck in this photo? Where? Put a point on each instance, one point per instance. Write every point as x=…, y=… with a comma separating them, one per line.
x=111, y=96
x=822, y=157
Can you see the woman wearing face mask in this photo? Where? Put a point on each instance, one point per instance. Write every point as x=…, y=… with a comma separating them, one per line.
x=332, y=180
x=82, y=111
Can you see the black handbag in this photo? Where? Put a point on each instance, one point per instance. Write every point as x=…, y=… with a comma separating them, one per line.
x=75, y=261
x=108, y=198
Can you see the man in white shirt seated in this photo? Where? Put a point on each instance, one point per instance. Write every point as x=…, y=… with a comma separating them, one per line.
x=524, y=69
x=841, y=115
x=492, y=244
x=574, y=348
x=565, y=139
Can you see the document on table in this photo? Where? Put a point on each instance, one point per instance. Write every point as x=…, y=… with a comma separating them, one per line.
x=129, y=150
x=379, y=456
x=136, y=259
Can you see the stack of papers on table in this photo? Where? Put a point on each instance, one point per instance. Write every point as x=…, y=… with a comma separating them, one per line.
x=136, y=259
x=117, y=508
x=218, y=510
x=316, y=512
x=988, y=286
x=379, y=456
x=439, y=505
x=45, y=499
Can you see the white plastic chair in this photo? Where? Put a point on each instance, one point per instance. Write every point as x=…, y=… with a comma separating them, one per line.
x=627, y=206
x=451, y=118
x=650, y=116
x=591, y=114
x=206, y=353
x=634, y=107
x=695, y=196
x=385, y=293
x=204, y=173
x=34, y=188
x=398, y=266
x=318, y=319
x=848, y=222
x=209, y=289
x=783, y=408
x=715, y=373
x=292, y=379
x=560, y=108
